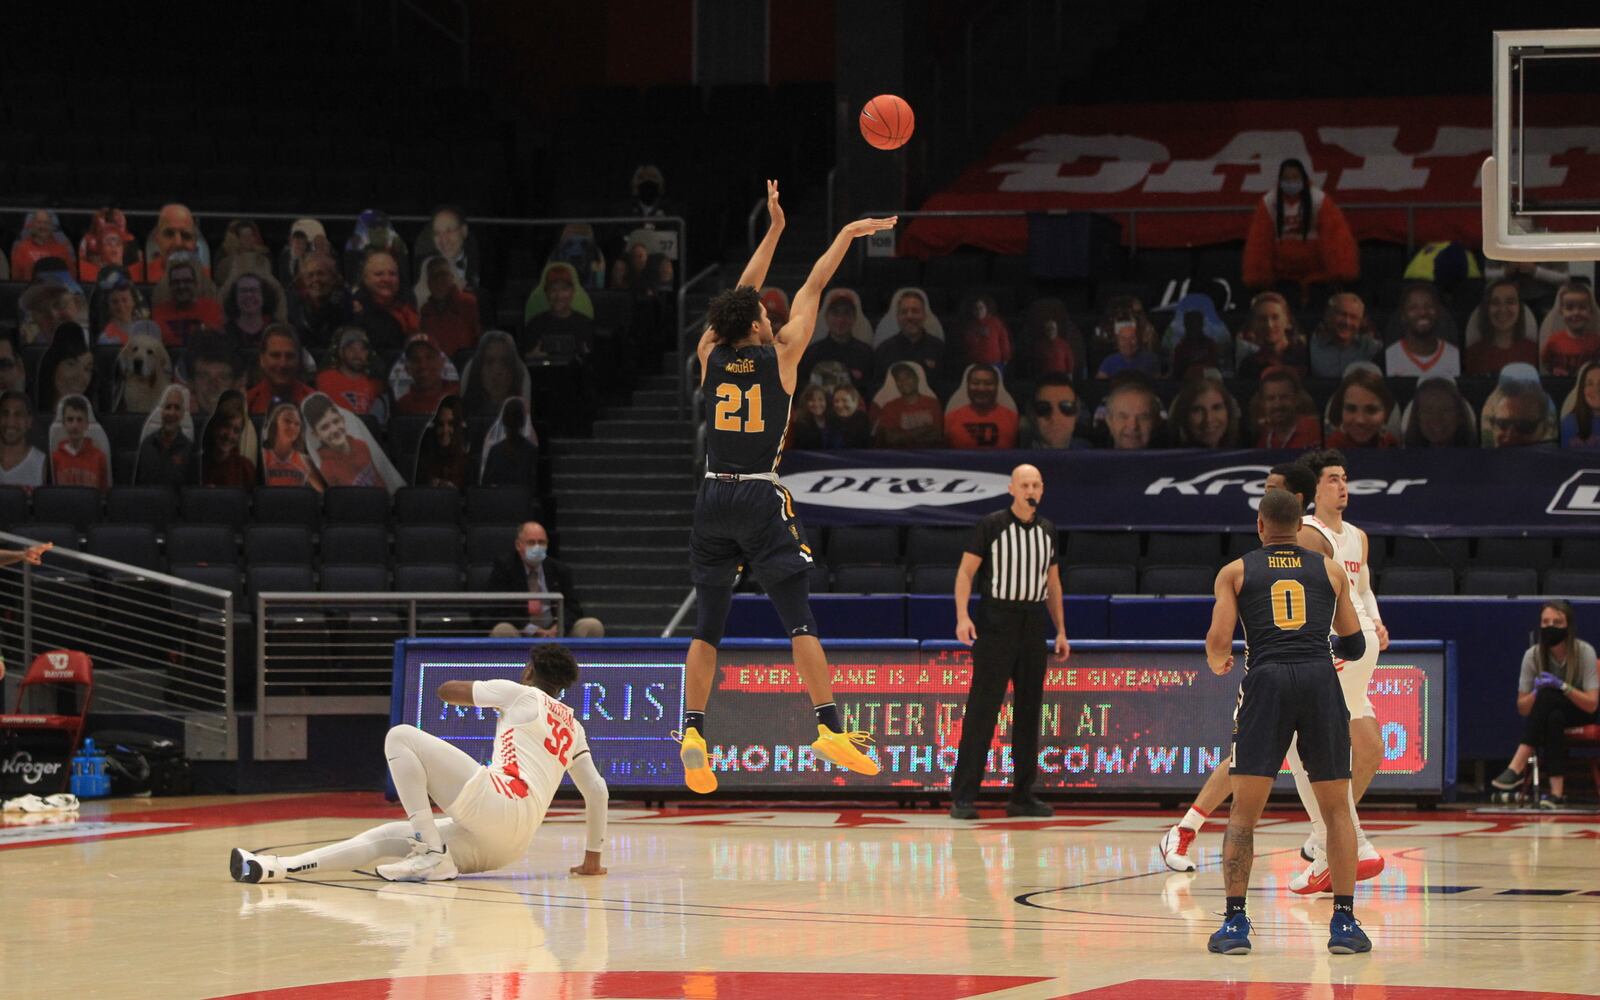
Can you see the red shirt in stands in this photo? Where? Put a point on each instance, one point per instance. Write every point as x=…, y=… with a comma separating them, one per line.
x=292, y=471
x=903, y=422
x=26, y=253
x=352, y=468
x=420, y=403
x=1483, y=358
x=355, y=393
x=87, y=467
x=453, y=323
x=967, y=428
x=1341, y=440
x=1564, y=353
x=235, y=470
x=1054, y=355
x=178, y=324
x=1306, y=433
x=261, y=397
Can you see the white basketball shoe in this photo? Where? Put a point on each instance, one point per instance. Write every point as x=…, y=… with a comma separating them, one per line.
x=1176, y=847
x=247, y=867
x=424, y=865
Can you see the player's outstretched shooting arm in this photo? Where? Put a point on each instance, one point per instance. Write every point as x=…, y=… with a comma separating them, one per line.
x=1224, y=618
x=796, y=334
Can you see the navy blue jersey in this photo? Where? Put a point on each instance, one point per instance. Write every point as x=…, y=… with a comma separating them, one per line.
x=1286, y=603
x=747, y=409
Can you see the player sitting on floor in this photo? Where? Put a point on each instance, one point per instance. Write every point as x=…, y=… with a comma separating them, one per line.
x=492, y=811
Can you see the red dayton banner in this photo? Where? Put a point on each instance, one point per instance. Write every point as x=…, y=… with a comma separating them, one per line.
x=1385, y=152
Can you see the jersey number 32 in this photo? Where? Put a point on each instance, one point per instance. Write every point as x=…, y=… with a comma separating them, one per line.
x=730, y=400
x=559, y=741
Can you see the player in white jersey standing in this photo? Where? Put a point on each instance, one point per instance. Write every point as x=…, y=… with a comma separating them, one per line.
x=1326, y=531
x=492, y=811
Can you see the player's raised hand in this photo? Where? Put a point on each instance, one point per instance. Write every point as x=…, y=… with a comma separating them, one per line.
x=774, y=210
x=866, y=227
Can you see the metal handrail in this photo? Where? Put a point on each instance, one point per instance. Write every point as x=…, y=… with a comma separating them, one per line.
x=318, y=652
x=143, y=653
x=684, y=392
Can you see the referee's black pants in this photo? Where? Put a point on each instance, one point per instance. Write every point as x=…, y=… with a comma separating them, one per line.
x=1010, y=648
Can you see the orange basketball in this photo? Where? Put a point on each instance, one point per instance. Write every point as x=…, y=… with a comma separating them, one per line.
x=887, y=121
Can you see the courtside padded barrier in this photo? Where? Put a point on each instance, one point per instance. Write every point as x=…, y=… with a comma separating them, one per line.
x=1130, y=718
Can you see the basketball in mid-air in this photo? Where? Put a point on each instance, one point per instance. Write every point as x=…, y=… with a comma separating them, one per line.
x=887, y=121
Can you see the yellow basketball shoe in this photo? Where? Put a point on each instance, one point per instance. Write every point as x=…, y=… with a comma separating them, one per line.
x=696, y=762
x=844, y=749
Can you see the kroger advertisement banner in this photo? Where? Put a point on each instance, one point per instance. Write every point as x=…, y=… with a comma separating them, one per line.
x=1467, y=491
x=1225, y=155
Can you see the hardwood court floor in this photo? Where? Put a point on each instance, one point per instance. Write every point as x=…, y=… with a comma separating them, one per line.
x=133, y=900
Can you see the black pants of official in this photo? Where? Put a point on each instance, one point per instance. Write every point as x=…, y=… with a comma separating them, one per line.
x=1010, y=649
x=1545, y=730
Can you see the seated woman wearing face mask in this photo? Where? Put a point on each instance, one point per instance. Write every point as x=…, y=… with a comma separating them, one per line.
x=1558, y=689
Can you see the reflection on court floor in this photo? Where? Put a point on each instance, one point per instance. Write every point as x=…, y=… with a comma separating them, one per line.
x=734, y=903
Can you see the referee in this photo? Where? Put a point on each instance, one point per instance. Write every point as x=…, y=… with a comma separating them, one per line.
x=1020, y=582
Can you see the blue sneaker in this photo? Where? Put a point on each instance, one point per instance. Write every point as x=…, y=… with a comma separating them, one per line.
x=1345, y=936
x=1233, y=937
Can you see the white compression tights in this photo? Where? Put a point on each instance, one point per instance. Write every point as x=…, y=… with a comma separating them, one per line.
x=423, y=766
x=1308, y=798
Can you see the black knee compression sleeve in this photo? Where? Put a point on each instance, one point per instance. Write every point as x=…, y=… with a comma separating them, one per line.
x=791, y=597
x=711, y=606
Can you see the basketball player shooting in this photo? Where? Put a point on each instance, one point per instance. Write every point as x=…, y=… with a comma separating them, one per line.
x=743, y=516
x=492, y=811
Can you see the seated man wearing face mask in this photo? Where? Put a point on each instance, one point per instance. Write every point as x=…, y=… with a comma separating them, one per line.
x=529, y=569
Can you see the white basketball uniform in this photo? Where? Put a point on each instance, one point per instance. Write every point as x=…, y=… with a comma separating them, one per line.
x=1354, y=677
x=500, y=808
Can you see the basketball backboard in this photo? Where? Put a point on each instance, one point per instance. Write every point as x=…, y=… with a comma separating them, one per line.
x=1531, y=125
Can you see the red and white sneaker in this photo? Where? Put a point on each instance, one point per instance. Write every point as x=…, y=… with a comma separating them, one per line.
x=1175, y=845
x=1314, y=879
x=1369, y=863
x=1317, y=878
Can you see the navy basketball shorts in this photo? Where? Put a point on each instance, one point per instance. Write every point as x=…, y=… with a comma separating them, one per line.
x=1276, y=702
x=749, y=523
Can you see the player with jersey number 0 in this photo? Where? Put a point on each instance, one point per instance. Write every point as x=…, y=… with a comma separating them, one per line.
x=492, y=811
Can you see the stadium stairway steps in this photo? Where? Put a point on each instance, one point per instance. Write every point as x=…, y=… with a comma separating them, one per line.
x=626, y=497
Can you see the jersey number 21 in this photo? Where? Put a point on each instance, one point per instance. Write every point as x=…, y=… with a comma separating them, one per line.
x=730, y=400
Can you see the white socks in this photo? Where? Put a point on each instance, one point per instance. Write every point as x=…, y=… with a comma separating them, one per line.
x=1194, y=819
x=1308, y=799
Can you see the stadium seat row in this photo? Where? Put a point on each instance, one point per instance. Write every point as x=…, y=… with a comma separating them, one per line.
x=80, y=507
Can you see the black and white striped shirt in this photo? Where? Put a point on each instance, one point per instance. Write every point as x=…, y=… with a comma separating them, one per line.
x=1016, y=555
